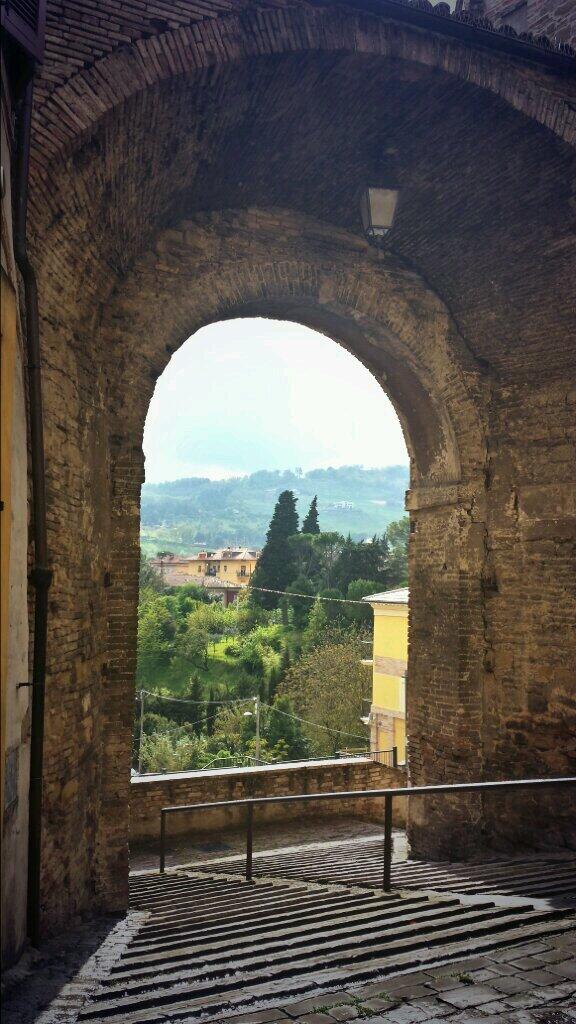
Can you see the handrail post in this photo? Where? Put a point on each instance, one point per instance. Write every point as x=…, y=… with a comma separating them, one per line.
x=387, y=873
x=162, y=841
x=249, y=840
x=394, y=757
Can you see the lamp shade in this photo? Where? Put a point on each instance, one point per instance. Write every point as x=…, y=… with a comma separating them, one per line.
x=377, y=209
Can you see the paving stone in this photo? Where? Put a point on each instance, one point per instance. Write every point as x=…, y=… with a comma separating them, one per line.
x=526, y=949
x=498, y=1006
x=554, y=955
x=311, y=1004
x=567, y=969
x=526, y=963
x=469, y=996
x=315, y=1018
x=262, y=1016
x=433, y=1007
x=564, y=939
x=376, y=1003
x=522, y=1000
x=461, y=966
x=484, y=974
x=400, y=1015
x=348, y=1012
x=445, y=984
x=541, y=977
x=564, y=990
x=512, y=984
x=469, y=1017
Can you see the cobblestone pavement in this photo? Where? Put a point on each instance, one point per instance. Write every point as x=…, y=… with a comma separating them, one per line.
x=51, y=984
x=211, y=847
x=532, y=983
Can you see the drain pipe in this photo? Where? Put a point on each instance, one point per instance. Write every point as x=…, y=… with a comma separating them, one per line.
x=41, y=576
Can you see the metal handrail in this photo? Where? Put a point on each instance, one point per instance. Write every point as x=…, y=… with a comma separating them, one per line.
x=250, y=802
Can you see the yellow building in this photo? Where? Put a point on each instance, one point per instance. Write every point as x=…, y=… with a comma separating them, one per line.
x=232, y=566
x=389, y=663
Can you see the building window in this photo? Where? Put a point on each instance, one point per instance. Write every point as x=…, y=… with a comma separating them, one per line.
x=225, y=568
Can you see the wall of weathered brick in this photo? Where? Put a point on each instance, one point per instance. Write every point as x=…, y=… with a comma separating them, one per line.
x=553, y=18
x=149, y=794
x=208, y=165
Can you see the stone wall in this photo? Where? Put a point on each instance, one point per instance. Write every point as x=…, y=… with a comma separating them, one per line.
x=553, y=18
x=150, y=793
x=193, y=165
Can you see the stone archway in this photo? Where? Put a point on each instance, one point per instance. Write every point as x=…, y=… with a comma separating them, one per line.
x=225, y=266
x=483, y=388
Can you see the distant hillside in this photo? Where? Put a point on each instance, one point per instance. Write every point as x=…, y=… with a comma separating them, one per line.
x=182, y=514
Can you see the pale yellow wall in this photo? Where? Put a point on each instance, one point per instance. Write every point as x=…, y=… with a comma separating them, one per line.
x=15, y=749
x=390, y=641
x=388, y=687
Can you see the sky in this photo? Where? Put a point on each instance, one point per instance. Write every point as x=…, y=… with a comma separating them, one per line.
x=250, y=394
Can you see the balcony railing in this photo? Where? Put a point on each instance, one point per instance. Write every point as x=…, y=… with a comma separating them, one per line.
x=388, y=794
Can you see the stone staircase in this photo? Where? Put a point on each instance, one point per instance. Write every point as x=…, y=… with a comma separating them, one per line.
x=539, y=877
x=212, y=945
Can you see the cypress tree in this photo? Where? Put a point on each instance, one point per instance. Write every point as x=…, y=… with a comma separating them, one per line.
x=213, y=710
x=276, y=565
x=195, y=692
x=311, y=524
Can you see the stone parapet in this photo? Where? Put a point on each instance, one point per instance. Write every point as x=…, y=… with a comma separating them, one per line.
x=150, y=793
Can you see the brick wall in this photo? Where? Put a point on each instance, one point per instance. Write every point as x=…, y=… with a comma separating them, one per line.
x=184, y=173
x=149, y=794
x=553, y=18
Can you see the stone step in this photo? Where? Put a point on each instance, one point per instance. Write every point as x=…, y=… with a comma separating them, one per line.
x=343, y=935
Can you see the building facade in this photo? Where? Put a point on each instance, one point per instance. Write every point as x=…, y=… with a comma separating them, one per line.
x=389, y=667
x=232, y=568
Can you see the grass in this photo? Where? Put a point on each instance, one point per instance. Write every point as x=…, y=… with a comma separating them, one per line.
x=220, y=672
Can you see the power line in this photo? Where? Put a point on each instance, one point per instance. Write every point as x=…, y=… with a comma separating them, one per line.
x=316, y=725
x=307, y=597
x=249, y=700
x=182, y=700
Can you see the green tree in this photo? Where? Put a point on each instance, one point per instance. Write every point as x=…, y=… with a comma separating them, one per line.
x=334, y=610
x=358, y=589
x=303, y=551
x=156, y=631
x=316, y=628
x=211, y=712
x=328, y=687
x=363, y=560
x=285, y=664
x=300, y=605
x=310, y=524
x=273, y=681
x=398, y=534
x=328, y=548
x=197, y=710
x=283, y=728
x=275, y=566
x=193, y=644
x=149, y=579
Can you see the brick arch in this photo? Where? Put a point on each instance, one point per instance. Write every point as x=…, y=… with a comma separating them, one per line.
x=337, y=284
x=241, y=264
x=72, y=109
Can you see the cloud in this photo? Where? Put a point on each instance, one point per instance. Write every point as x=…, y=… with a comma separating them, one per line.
x=264, y=394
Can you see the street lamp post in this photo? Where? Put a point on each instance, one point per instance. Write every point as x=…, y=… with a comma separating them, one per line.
x=256, y=713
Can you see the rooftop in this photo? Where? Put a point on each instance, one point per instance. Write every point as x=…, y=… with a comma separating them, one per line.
x=399, y=596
